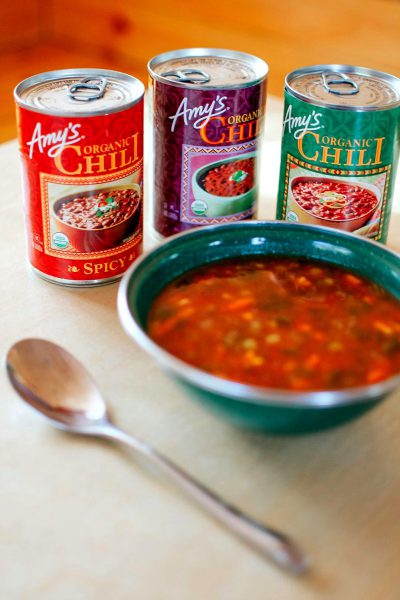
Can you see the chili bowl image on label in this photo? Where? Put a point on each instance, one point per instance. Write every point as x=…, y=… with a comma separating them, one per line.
x=223, y=187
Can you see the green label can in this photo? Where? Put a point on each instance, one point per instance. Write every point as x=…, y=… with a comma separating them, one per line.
x=340, y=148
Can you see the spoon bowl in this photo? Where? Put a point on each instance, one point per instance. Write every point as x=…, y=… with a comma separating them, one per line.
x=56, y=384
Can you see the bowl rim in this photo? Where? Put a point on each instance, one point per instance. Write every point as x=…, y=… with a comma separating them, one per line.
x=134, y=186
x=241, y=392
x=365, y=185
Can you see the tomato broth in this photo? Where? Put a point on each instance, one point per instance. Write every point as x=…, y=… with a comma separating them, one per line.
x=281, y=322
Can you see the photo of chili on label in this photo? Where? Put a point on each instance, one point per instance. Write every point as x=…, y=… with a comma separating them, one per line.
x=334, y=200
x=100, y=210
x=230, y=179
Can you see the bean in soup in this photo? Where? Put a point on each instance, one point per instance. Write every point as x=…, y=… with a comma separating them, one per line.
x=281, y=323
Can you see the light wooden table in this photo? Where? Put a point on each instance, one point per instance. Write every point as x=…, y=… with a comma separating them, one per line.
x=81, y=520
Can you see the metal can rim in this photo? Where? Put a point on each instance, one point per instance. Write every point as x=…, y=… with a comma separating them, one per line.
x=387, y=77
x=58, y=74
x=261, y=67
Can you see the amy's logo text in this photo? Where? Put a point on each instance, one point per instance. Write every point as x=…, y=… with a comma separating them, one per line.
x=199, y=116
x=53, y=142
x=300, y=124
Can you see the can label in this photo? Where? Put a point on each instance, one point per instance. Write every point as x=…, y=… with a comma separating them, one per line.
x=206, y=145
x=338, y=167
x=83, y=192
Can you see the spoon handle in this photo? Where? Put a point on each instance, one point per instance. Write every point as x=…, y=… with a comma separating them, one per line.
x=273, y=544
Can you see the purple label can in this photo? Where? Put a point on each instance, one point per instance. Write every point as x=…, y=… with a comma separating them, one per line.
x=208, y=113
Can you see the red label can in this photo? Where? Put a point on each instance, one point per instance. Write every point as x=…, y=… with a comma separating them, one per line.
x=81, y=144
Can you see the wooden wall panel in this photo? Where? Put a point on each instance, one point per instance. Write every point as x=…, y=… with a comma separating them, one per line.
x=19, y=24
x=39, y=35
x=17, y=65
x=287, y=36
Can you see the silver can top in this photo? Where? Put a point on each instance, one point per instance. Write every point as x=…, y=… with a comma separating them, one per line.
x=205, y=68
x=345, y=87
x=79, y=92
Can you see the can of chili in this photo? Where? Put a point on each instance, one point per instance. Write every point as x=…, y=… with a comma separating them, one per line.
x=208, y=109
x=81, y=144
x=340, y=148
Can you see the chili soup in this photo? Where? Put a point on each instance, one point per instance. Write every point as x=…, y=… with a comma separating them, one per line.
x=280, y=322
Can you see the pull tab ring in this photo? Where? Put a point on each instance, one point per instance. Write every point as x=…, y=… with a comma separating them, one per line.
x=90, y=88
x=188, y=76
x=329, y=79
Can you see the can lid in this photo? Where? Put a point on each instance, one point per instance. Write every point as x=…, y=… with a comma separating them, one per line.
x=204, y=68
x=79, y=92
x=345, y=87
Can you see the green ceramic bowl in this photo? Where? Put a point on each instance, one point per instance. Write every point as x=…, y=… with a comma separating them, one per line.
x=270, y=410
